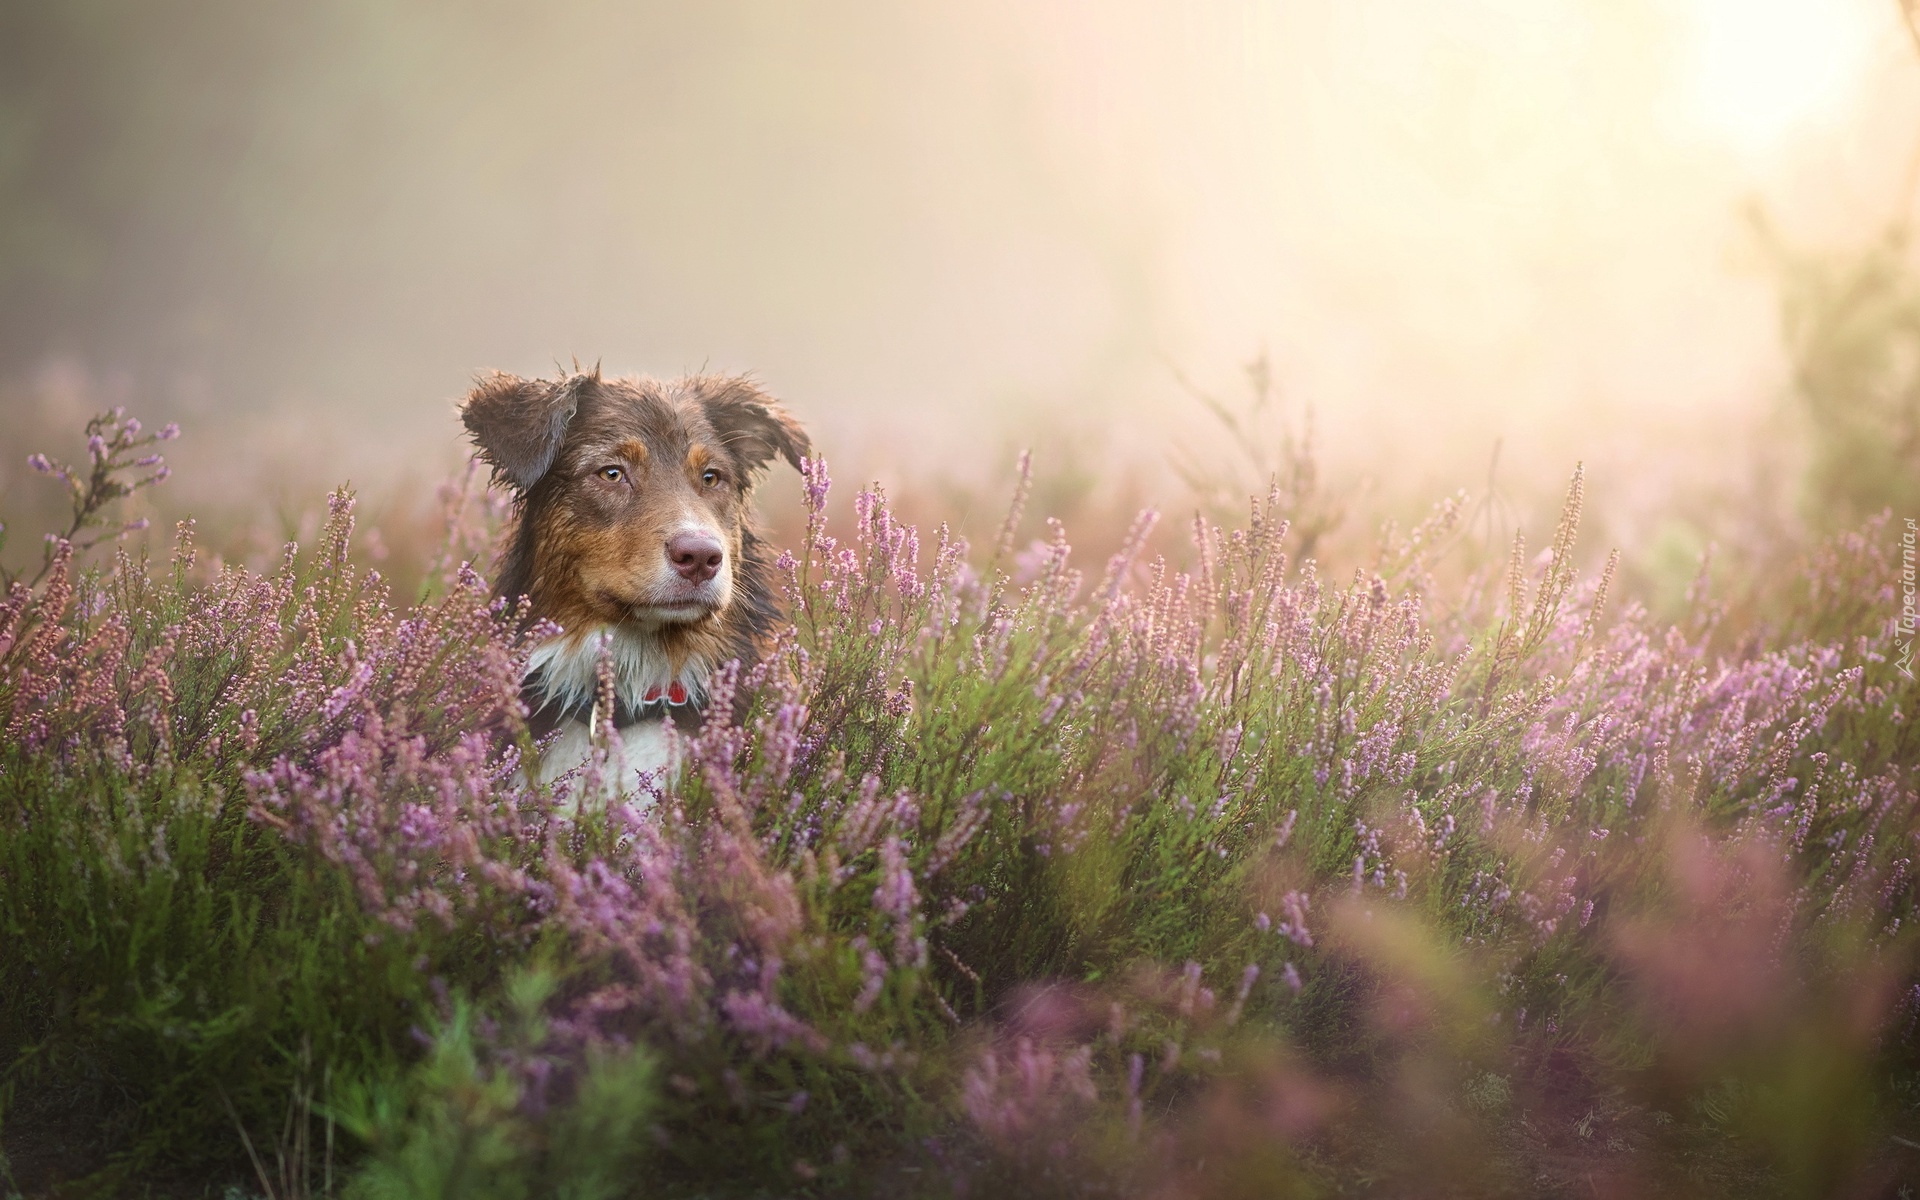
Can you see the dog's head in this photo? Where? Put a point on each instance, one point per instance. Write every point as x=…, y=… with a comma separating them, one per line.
x=634, y=492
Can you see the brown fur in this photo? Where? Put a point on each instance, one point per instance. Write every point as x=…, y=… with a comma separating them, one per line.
x=589, y=550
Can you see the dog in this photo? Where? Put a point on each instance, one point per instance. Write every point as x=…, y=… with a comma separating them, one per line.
x=632, y=532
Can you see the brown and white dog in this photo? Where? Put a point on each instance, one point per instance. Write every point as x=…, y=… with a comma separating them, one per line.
x=632, y=524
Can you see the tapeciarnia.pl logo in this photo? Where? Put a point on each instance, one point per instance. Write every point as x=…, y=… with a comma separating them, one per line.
x=1904, y=636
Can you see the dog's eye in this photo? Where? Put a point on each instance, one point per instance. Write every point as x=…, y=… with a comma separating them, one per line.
x=710, y=477
x=612, y=474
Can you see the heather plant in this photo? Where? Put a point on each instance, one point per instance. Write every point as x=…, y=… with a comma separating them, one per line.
x=166, y=943
x=1242, y=879
x=1270, y=448
x=117, y=450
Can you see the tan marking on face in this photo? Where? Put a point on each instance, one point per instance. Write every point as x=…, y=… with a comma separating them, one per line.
x=576, y=573
x=606, y=560
x=699, y=458
x=634, y=450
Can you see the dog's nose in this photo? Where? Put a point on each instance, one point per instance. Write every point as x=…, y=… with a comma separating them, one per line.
x=696, y=556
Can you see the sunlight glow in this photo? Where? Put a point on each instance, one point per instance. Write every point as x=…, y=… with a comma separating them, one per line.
x=1761, y=69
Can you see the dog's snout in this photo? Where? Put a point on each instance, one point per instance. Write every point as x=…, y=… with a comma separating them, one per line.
x=696, y=556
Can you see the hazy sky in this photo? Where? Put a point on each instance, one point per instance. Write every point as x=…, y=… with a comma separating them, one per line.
x=932, y=226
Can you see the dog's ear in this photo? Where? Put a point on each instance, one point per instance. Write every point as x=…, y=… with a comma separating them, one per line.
x=518, y=423
x=753, y=426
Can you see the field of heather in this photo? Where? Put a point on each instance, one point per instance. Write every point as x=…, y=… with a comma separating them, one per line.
x=1359, y=644
x=1209, y=872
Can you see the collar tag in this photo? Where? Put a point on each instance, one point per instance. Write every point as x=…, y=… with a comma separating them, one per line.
x=653, y=704
x=674, y=693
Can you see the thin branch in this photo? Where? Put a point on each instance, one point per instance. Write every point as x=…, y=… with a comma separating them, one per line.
x=259, y=1168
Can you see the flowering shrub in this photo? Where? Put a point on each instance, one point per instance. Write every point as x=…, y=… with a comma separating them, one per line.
x=1188, y=882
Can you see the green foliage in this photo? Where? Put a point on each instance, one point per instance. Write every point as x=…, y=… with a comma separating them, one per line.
x=1852, y=325
x=164, y=946
x=454, y=1129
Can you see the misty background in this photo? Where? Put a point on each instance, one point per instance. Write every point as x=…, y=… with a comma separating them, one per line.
x=943, y=231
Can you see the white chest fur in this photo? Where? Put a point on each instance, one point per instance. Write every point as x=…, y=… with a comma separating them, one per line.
x=641, y=753
x=567, y=669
